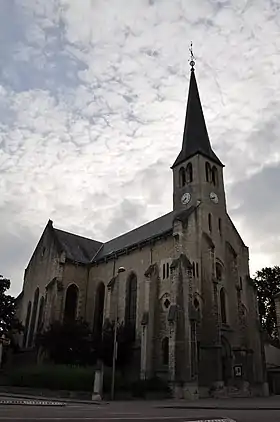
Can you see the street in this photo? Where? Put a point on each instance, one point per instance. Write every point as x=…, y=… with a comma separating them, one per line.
x=130, y=411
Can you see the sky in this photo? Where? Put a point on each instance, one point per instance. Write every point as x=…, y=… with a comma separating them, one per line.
x=92, y=106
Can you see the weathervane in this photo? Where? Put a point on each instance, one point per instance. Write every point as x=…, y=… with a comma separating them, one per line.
x=192, y=62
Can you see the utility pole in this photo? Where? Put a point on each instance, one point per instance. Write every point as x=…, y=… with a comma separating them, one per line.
x=120, y=270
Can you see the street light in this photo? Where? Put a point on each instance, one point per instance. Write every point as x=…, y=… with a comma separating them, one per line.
x=120, y=270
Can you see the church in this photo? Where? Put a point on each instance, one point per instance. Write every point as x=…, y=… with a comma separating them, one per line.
x=181, y=281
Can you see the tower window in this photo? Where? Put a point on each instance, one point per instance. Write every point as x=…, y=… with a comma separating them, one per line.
x=167, y=270
x=197, y=274
x=208, y=172
x=163, y=271
x=240, y=283
x=215, y=176
x=182, y=177
x=189, y=172
x=210, y=222
x=220, y=226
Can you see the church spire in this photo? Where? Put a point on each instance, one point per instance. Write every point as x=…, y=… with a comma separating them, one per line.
x=195, y=138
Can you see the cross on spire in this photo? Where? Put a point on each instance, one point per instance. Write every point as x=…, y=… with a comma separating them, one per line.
x=192, y=62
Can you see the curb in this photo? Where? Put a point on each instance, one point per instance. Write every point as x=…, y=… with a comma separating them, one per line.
x=12, y=399
x=31, y=402
x=218, y=407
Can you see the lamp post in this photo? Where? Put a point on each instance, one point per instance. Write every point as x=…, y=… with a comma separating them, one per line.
x=120, y=270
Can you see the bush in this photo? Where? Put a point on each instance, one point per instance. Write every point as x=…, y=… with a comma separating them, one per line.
x=53, y=377
x=140, y=388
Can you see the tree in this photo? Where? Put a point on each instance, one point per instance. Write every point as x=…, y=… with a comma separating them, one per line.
x=267, y=282
x=68, y=343
x=124, y=345
x=8, y=321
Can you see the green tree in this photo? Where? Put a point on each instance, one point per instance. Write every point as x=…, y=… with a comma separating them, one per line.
x=124, y=345
x=68, y=343
x=8, y=321
x=267, y=282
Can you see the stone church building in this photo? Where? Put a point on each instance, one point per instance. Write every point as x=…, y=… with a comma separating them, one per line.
x=183, y=284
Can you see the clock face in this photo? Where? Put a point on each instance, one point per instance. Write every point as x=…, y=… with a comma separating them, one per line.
x=214, y=197
x=186, y=198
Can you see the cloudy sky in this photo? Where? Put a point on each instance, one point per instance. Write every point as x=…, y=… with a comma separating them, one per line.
x=92, y=104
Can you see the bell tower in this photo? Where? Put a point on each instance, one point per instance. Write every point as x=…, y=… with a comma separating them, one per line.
x=197, y=171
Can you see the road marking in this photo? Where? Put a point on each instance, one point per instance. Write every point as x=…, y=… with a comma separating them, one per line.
x=116, y=419
x=32, y=402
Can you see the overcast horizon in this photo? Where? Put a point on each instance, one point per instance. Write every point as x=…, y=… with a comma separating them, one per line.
x=92, y=105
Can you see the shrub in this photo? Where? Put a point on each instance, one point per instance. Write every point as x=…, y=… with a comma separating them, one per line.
x=53, y=377
x=140, y=388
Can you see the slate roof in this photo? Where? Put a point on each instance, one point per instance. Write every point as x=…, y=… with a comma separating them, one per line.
x=84, y=250
x=195, y=138
x=154, y=228
x=77, y=248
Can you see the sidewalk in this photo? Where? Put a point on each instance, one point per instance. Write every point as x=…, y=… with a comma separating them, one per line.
x=253, y=403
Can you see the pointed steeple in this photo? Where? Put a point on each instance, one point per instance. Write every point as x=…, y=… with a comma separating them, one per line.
x=195, y=138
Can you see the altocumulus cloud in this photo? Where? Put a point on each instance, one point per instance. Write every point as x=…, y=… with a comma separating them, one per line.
x=92, y=104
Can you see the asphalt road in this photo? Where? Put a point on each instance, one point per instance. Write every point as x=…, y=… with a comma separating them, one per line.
x=130, y=413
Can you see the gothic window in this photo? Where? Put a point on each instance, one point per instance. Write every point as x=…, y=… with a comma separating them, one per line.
x=41, y=315
x=210, y=222
x=208, y=172
x=189, y=172
x=71, y=302
x=197, y=274
x=223, y=306
x=26, y=325
x=167, y=270
x=193, y=269
x=131, y=303
x=165, y=350
x=182, y=177
x=219, y=272
x=215, y=176
x=33, y=318
x=163, y=271
x=98, y=311
x=220, y=226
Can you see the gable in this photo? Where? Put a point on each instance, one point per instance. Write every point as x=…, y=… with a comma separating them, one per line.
x=77, y=248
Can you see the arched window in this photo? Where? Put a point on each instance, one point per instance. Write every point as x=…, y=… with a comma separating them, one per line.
x=41, y=315
x=197, y=273
x=163, y=271
x=182, y=177
x=98, y=311
x=223, y=306
x=165, y=350
x=210, y=222
x=193, y=269
x=167, y=270
x=131, y=303
x=26, y=325
x=71, y=302
x=219, y=272
x=220, y=226
x=215, y=176
x=189, y=172
x=33, y=318
x=208, y=172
